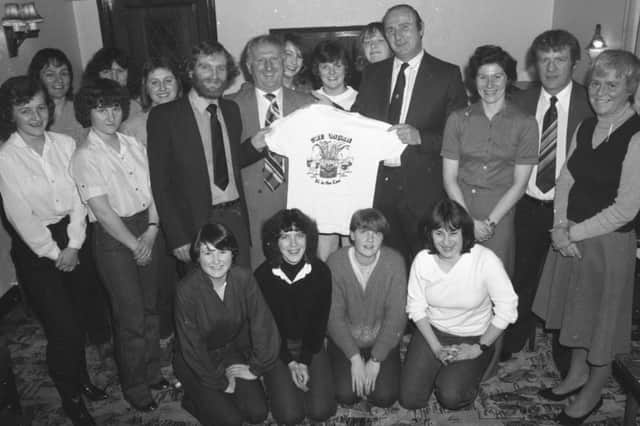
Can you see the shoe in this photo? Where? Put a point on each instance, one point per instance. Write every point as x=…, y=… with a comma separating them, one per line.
x=145, y=408
x=75, y=409
x=93, y=393
x=160, y=385
x=567, y=420
x=549, y=394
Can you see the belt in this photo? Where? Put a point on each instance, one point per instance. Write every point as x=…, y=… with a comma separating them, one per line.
x=539, y=203
x=226, y=204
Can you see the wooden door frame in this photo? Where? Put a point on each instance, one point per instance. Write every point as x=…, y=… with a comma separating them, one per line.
x=105, y=13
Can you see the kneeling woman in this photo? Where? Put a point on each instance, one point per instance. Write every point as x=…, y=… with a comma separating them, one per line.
x=227, y=337
x=297, y=288
x=452, y=287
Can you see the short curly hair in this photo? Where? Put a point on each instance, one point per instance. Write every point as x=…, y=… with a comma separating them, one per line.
x=625, y=64
x=50, y=56
x=489, y=54
x=216, y=235
x=151, y=65
x=450, y=215
x=284, y=221
x=18, y=91
x=206, y=48
x=330, y=51
x=101, y=92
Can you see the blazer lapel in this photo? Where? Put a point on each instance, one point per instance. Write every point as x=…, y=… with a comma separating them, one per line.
x=420, y=89
x=190, y=138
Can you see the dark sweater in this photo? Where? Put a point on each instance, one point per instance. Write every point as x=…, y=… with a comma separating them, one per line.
x=301, y=309
x=374, y=318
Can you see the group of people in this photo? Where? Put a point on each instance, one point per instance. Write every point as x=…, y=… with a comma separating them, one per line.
x=482, y=185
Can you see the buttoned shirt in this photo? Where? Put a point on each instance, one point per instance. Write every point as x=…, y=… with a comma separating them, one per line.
x=264, y=103
x=562, y=106
x=37, y=190
x=410, y=74
x=203, y=119
x=488, y=150
x=123, y=175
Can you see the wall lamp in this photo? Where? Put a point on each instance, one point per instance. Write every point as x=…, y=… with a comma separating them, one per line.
x=20, y=22
x=597, y=44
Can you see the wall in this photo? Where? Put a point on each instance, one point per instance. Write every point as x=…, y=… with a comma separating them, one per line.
x=453, y=27
x=580, y=18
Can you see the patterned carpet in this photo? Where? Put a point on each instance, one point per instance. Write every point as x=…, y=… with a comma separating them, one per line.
x=508, y=399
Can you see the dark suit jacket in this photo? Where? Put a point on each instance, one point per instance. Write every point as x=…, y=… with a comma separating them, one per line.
x=438, y=91
x=579, y=107
x=178, y=169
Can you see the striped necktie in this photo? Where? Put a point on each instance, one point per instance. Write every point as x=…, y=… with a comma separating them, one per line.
x=546, y=177
x=274, y=165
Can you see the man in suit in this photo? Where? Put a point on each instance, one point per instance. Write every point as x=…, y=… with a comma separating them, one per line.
x=261, y=103
x=554, y=55
x=415, y=92
x=196, y=155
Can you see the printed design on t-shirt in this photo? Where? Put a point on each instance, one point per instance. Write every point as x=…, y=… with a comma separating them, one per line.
x=331, y=159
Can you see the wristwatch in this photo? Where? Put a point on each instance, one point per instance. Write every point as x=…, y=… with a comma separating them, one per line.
x=483, y=347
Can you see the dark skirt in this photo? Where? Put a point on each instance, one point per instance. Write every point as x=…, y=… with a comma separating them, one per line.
x=590, y=299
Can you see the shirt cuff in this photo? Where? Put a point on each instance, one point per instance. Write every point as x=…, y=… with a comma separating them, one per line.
x=75, y=244
x=416, y=316
x=499, y=323
x=53, y=253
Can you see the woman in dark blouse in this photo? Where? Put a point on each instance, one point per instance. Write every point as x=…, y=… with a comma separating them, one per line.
x=227, y=337
x=297, y=288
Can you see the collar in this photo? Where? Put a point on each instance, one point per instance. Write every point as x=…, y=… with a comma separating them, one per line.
x=123, y=139
x=200, y=103
x=564, y=96
x=352, y=257
x=306, y=270
x=414, y=62
x=475, y=109
x=260, y=93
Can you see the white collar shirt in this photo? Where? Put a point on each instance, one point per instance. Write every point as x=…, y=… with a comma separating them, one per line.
x=38, y=191
x=123, y=176
x=410, y=74
x=264, y=104
x=562, y=106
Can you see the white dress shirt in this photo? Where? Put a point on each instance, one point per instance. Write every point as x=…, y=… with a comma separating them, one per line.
x=123, y=176
x=264, y=103
x=38, y=191
x=410, y=74
x=459, y=302
x=562, y=106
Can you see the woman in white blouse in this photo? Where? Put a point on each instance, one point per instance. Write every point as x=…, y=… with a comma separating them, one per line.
x=47, y=226
x=112, y=175
x=461, y=300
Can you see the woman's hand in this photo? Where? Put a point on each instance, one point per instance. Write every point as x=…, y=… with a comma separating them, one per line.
x=358, y=375
x=466, y=351
x=299, y=375
x=371, y=370
x=142, y=253
x=560, y=237
x=482, y=230
x=231, y=386
x=446, y=354
x=67, y=259
x=240, y=371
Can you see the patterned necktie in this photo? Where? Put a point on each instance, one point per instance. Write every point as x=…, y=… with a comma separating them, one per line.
x=546, y=177
x=395, y=106
x=274, y=164
x=220, y=171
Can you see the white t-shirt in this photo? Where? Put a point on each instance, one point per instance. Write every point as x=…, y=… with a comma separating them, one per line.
x=333, y=161
x=476, y=292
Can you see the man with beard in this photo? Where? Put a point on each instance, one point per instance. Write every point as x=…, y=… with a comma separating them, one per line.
x=195, y=156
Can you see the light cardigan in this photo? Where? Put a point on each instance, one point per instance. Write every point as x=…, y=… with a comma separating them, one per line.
x=459, y=302
x=372, y=318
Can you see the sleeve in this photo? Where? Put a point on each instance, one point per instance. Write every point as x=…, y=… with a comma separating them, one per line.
x=191, y=342
x=626, y=204
x=451, y=137
x=30, y=228
x=395, y=317
x=313, y=339
x=456, y=99
x=265, y=338
x=338, y=326
x=563, y=186
x=527, y=152
x=161, y=172
x=505, y=300
x=86, y=172
x=416, y=302
x=76, y=230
